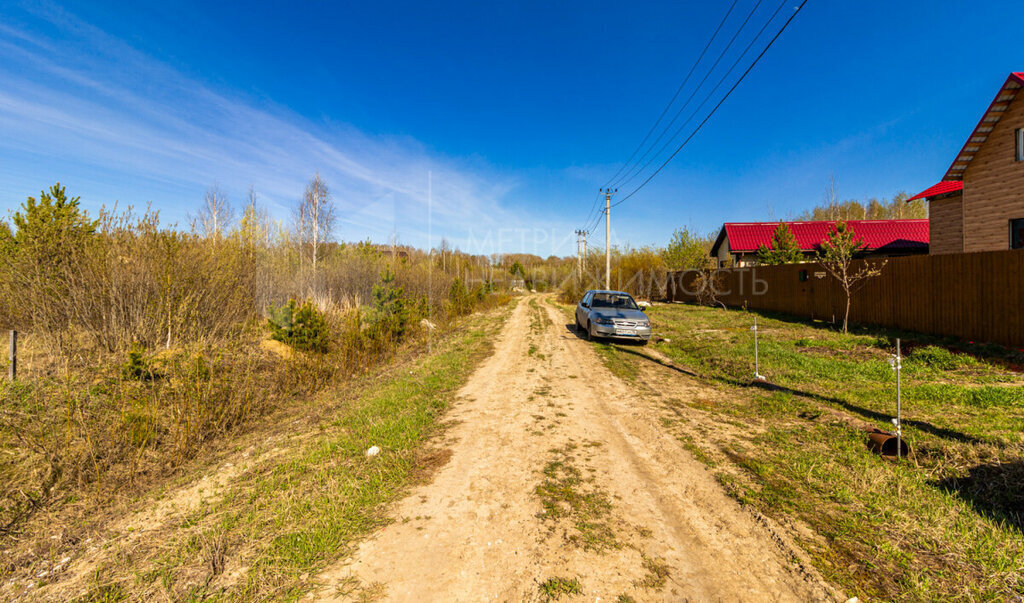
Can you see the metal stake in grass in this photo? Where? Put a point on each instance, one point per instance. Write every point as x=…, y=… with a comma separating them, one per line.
x=896, y=362
x=757, y=363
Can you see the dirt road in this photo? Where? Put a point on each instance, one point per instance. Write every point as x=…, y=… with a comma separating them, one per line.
x=562, y=481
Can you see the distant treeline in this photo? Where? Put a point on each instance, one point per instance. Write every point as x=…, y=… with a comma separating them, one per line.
x=896, y=208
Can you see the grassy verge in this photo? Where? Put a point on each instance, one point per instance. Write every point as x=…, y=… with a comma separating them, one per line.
x=947, y=524
x=281, y=522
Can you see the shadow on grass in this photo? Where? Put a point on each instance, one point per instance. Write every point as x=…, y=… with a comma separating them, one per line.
x=628, y=350
x=993, y=490
x=631, y=347
x=993, y=353
x=874, y=415
x=866, y=413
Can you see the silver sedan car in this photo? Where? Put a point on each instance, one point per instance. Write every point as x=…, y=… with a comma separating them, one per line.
x=612, y=314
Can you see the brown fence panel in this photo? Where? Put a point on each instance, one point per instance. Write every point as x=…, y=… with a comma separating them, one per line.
x=973, y=296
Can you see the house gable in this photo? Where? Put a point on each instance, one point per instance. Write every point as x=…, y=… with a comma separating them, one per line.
x=986, y=127
x=993, y=192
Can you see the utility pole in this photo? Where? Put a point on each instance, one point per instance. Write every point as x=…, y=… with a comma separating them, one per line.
x=608, y=192
x=578, y=251
x=579, y=254
x=584, y=262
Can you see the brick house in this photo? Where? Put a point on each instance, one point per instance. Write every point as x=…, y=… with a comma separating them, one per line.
x=738, y=242
x=979, y=204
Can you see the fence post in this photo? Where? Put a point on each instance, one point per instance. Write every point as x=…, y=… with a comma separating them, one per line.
x=12, y=368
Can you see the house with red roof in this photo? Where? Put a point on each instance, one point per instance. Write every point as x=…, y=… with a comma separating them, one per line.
x=738, y=242
x=979, y=204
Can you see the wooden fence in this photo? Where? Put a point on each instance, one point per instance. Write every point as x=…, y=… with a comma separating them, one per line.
x=973, y=296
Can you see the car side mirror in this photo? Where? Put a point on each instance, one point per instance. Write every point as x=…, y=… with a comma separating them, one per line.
x=584, y=304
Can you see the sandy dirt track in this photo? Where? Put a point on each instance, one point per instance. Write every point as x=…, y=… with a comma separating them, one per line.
x=476, y=531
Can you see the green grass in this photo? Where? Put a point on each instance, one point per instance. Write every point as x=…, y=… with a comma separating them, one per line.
x=554, y=588
x=656, y=574
x=566, y=495
x=611, y=354
x=294, y=515
x=947, y=524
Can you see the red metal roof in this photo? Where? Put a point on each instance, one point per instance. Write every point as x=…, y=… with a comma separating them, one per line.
x=942, y=188
x=1006, y=95
x=904, y=235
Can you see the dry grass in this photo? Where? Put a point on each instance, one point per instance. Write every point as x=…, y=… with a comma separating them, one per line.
x=144, y=348
x=264, y=531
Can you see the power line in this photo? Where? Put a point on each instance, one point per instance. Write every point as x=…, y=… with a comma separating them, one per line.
x=674, y=96
x=632, y=172
x=593, y=218
x=594, y=221
x=639, y=170
x=716, y=107
x=591, y=212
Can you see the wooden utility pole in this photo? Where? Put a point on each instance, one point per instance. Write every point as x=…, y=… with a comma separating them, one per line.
x=608, y=192
x=579, y=254
x=584, y=262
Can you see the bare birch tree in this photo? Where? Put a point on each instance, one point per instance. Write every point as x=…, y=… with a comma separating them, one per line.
x=315, y=219
x=254, y=227
x=832, y=198
x=215, y=213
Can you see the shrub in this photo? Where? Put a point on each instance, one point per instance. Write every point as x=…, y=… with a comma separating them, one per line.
x=458, y=296
x=389, y=314
x=302, y=327
x=138, y=367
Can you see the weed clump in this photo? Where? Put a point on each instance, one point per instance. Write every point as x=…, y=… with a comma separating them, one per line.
x=941, y=358
x=554, y=588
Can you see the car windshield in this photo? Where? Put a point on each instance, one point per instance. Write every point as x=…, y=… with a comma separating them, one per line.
x=613, y=300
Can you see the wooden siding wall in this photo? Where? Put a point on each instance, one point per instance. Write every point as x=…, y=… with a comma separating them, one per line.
x=973, y=296
x=946, y=226
x=994, y=185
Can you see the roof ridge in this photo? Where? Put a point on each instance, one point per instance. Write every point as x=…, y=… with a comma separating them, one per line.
x=1006, y=95
x=894, y=233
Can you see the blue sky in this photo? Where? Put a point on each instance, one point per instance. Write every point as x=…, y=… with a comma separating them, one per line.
x=491, y=124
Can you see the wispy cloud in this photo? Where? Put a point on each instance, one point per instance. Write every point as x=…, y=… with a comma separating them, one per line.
x=93, y=106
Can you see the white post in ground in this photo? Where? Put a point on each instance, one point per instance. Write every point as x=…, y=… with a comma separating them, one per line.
x=757, y=361
x=896, y=362
x=899, y=400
